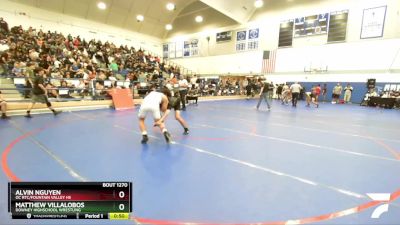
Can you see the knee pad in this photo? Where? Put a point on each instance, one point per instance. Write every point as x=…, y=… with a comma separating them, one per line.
x=48, y=104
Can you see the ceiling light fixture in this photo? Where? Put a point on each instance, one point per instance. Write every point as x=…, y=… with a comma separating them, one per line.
x=168, y=27
x=101, y=5
x=171, y=6
x=258, y=3
x=199, y=19
x=139, y=18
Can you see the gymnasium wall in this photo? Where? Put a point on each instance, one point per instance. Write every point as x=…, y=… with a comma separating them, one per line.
x=359, y=89
x=352, y=60
x=366, y=57
x=46, y=20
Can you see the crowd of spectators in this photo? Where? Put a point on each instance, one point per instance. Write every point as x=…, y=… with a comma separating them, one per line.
x=65, y=57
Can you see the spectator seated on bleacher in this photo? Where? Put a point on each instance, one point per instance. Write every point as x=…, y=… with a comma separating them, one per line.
x=100, y=92
x=113, y=67
x=154, y=76
x=67, y=74
x=212, y=89
x=3, y=46
x=82, y=88
x=142, y=77
x=397, y=96
x=4, y=60
x=17, y=72
x=3, y=107
x=193, y=94
x=80, y=73
x=122, y=72
x=56, y=73
x=17, y=69
x=64, y=90
x=111, y=77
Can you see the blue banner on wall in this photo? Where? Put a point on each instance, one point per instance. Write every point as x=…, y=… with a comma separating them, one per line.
x=241, y=35
x=253, y=33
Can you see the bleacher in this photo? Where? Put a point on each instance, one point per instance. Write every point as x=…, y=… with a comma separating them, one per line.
x=9, y=90
x=94, y=92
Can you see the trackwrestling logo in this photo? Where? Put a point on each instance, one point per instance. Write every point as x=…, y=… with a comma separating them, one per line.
x=384, y=197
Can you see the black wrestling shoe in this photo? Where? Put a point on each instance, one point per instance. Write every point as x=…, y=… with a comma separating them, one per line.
x=145, y=139
x=167, y=136
x=28, y=116
x=4, y=117
x=186, y=132
x=57, y=112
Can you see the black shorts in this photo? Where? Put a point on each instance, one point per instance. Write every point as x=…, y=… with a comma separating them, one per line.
x=39, y=98
x=175, y=103
x=190, y=97
x=335, y=96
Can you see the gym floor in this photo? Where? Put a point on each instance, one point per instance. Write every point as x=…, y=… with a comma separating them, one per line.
x=238, y=165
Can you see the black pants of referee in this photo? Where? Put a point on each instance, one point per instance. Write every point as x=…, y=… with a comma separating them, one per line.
x=295, y=97
x=183, y=94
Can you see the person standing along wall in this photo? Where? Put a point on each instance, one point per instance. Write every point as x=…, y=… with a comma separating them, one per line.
x=271, y=90
x=324, y=92
x=336, y=92
x=317, y=92
x=302, y=93
x=347, y=93
x=249, y=87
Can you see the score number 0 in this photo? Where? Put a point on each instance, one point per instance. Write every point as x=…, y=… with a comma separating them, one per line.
x=121, y=206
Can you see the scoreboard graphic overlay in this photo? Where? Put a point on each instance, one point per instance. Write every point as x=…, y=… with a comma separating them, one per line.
x=70, y=200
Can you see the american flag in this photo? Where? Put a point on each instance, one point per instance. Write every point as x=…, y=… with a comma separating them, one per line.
x=268, y=62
